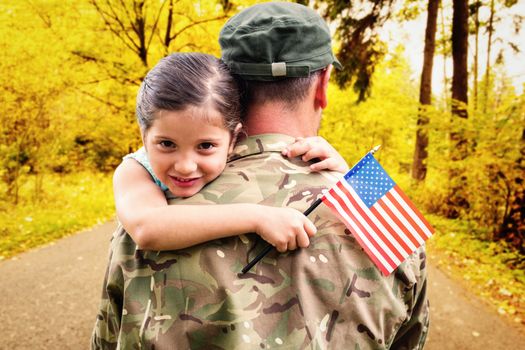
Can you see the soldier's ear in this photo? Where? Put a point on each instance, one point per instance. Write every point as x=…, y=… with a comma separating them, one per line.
x=321, y=92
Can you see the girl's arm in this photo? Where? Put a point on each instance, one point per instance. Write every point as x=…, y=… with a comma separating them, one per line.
x=154, y=225
x=317, y=147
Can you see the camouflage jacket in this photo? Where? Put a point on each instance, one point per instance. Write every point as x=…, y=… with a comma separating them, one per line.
x=328, y=296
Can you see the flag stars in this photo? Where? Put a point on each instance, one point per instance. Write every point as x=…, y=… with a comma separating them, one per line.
x=369, y=180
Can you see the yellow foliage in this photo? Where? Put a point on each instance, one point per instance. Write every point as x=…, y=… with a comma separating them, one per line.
x=70, y=73
x=85, y=197
x=387, y=118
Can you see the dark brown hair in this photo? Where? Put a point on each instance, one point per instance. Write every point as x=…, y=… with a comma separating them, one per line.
x=183, y=80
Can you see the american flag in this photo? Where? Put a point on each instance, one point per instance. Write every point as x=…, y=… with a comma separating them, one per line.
x=381, y=217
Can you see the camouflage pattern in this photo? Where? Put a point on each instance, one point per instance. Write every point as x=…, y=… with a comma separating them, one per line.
x=328, y=296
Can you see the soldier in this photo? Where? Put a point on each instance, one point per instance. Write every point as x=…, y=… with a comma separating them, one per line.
x=329, y=295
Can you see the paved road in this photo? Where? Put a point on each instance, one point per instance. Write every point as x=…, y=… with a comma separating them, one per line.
x=50, y=297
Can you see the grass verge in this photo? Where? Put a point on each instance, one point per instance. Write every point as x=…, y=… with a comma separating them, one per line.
x=483, y=267
x=65, y=204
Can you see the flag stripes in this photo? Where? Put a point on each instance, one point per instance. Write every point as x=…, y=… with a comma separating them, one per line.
x=414, y=213
x=389, y=230
x=397, y=224
x=370, y=235
x=363, y=215
x=377, y=258
x=391, y=226
x=404, y=217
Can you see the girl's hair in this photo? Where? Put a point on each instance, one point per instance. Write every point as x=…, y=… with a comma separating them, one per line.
x=183, y=80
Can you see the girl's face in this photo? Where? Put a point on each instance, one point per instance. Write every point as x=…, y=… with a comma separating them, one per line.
x=187, y=149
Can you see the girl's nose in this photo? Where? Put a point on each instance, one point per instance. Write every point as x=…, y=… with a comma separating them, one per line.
x=185, y=166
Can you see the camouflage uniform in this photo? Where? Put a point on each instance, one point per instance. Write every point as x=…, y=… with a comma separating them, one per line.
x=328, y=296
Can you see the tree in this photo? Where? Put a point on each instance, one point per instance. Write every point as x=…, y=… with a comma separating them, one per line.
x=490, y=30
x=30, y=85
x=122, y=41
x=443, y=48
x=419, y=167
x=513, y=226
x=459, y=57
x=149, y=30
x=457, y=199
x=494, y=9
x=357, y=32
x=381, y=119
x=474, y=12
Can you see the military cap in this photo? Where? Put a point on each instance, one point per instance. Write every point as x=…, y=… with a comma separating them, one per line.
x=273, y=40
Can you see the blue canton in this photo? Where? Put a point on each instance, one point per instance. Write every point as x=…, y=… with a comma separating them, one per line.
x=369, y=180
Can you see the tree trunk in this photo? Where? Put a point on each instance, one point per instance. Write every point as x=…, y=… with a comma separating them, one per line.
x=419, y=166
x=476, y=52
x=458, y=181
x=490, y=30
x=459, y=57
x=167, y=35
x=140, y=29
x=445, y=56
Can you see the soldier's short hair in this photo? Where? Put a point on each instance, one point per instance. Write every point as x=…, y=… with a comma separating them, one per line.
x=289, y=90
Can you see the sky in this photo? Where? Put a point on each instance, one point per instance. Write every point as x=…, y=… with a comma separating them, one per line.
x=412, y=35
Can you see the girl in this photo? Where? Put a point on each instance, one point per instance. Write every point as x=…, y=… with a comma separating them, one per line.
x=188, y=110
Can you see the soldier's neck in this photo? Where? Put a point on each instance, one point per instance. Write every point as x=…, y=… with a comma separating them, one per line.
x=274, y=118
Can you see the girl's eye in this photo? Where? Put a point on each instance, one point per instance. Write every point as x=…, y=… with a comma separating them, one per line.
x=166, y=144
x=206, y=146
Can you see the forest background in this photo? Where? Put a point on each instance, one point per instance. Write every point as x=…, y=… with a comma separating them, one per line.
x=71, y=70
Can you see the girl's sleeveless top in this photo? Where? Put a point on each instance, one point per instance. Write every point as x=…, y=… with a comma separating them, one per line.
x=142, y=157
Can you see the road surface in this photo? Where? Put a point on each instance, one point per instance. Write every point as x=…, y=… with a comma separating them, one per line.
x=50, y=297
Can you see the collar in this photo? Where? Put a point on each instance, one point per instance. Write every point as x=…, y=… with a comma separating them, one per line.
x=258, y=144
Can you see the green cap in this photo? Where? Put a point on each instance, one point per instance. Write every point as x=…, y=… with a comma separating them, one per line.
x=273, y=40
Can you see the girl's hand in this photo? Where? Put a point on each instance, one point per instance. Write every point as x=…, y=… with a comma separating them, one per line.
x=317, y=147
x=285, y=228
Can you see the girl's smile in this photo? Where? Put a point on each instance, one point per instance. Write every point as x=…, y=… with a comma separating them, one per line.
x=178, y=181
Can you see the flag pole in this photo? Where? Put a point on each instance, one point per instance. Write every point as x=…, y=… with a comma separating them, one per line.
x=269, y=247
